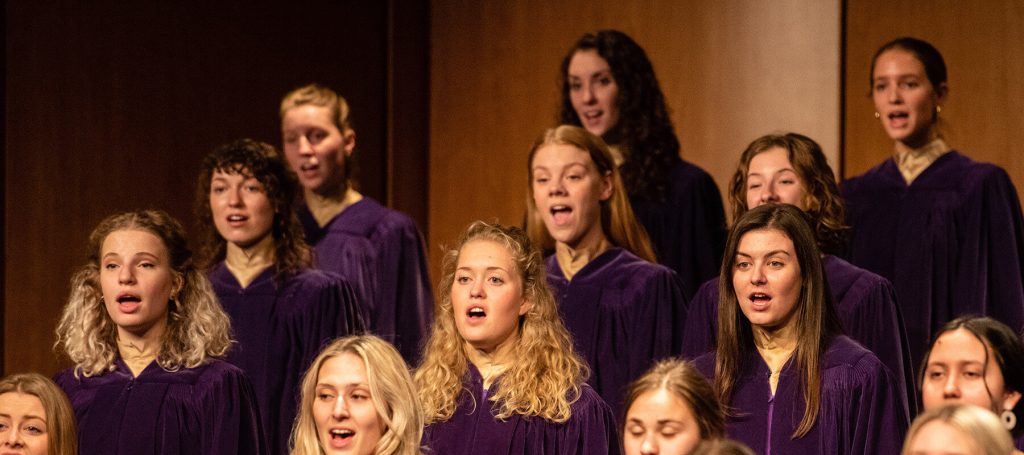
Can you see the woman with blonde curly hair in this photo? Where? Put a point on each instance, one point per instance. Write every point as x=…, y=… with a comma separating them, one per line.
x=500, y=374
x=791, y=169
x=623, y=310
x=358, y=398
x=35, y=417
x=144, y=331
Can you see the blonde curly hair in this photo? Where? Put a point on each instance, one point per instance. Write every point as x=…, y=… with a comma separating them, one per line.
x=197, y=327
x=391, y=389
x=546, y=376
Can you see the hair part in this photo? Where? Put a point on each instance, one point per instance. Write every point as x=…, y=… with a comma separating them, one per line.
x=197, y=327
x=979, y=425
x=930, y=58
x=721, y=447
x=260, y=161
x=816, y=320
x=822, y=198
x=62, y=435
x=618, y=222
x=681, y=379
x=546, y=375
x=645, y=126
x=391, y=389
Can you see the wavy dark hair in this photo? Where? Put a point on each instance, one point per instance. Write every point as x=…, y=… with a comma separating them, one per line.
x=258, y=160
x=923, y=51
x=1007, y=349
x=824, y=204
x=644, y=125
x=816, y=319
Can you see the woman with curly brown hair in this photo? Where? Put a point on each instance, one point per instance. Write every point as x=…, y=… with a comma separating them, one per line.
x=282, y=311
x=609, y=87
x=499, y=373
x=791, y=169
x=145, y=333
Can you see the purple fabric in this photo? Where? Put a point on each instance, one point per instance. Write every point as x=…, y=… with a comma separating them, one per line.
x=867, y=308
x=687, y=229
x=280, y=332
x=861, y=410
x=473, y=429
x=952, y=243
x=379, y=251
x=623, y=313
x=210, y=410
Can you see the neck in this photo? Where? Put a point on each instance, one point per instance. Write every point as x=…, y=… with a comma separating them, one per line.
x=914, y=144
x=246, y=263
x=573, y=258
x=139, y=350
x=326, y=206
x=492, y=362
x=775, y=344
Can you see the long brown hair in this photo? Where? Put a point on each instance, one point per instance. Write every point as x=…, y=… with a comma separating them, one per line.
x=824, y=204
x=815, y=317
x=258, y=160
x=62, y=437
x=617, y=220
x=681, y=379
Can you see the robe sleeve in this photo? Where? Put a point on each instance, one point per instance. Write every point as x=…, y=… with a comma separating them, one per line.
x=874, y=420
x=990, y=267
x=658, y=326
x=701, y=321
x=229, y=416
x=405, y=285
x=592, y=428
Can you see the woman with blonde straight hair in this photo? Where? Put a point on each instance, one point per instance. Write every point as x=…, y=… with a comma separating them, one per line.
x=499, y=372
x=145, y=333
x=957, y=429
x=623, y=310
x=792, y=382
x=358, y=394
x=37, y=415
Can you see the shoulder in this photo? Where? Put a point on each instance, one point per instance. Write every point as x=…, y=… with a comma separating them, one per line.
x=687, y=174
x=841, y=273
x=976, y=173
x=882, y=172
x=847, y=358
x=623, y=261
x=590, y=407
x=706, y=365
x=217, y=374
x=377, y=220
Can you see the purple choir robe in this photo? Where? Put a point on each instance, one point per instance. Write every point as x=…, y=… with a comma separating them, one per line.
x=473, y=429
x=380, y=251
x=952, y=242
x=280, y=331
x=624, y=313
x=861, y=412
x=210, y=410
x=687, y=229
x=867, y=309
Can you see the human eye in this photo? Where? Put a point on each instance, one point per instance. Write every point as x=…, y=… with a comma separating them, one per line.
x=973, y=374
x=219, y=188
x=575, y=85
x=254, y=188
x=636, y=430
x=605, y=80
x=315, y=137
x=110, y=266
x=496, y=280
x=33, y=429
x=462, y=279
x=574, y=177
x=742, y=265
x=360, y=395
x=147, y=265
x=776, y=263
x=880, y=86
x=540, y=179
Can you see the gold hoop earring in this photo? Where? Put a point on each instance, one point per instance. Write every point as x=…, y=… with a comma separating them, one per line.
x=877, y=115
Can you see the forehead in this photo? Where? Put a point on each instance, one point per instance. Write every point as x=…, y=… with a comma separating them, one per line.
x=559, y=155
x=342, y=370
x=307, y=115
x=956, y=346
x=587, y=62
x=17, y=403
x=898, y=62
x=483, y=253
x=130, y=241
x=772, y=158
x=761, y=241
x=659, y=404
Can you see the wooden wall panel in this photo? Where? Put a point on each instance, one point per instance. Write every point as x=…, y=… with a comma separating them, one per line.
x=982, y=42
x=111, y=106
x=731, y=70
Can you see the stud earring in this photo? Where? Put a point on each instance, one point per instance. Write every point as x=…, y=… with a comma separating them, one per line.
x=938, y=109
x=877, y=115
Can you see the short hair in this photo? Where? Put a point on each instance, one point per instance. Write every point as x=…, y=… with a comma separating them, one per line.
x=721, y=447
x=823, y=201
x=197, y=327
x=258, y=160
x=977, y=423
x=923, y=51
x=816, y=320
x=60, y=418
x=1007, y=348
x=391, y=389
x=617, y=219
x=644, y=123
x=681, y=379
x=337, y=107
x=547, y=374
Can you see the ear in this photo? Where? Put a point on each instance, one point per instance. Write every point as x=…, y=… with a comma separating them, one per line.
x=1010, y=400
x=606, y=186
x=941, y=93
x=525, y=307
x=348, y=139
x=179, y=282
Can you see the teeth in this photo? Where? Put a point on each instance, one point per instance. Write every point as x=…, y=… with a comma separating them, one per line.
x=477, y=312
x=342, y=433
x=236, y=218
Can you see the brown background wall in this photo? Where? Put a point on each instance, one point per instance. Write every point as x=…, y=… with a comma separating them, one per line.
x=982, y=42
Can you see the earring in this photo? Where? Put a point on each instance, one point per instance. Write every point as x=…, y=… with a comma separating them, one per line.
x=1009, y=419
x=877, y=115
x=938, y=109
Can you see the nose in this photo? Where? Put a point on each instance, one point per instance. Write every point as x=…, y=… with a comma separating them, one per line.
x=951, y=389
x=13, y=438
x=556, y=188
x=649, y=446
x=234, y=197
x=340, y=407
x=305, y=147
x=477, y=290
x=768, y=194
x=125, y=275
x=894, y=94
x=588, y=94
x=757, y=274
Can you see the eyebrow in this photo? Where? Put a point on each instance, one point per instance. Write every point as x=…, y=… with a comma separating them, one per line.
x=487, y=269
x=770, y=253
x=785, y=169
x=25, y=417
